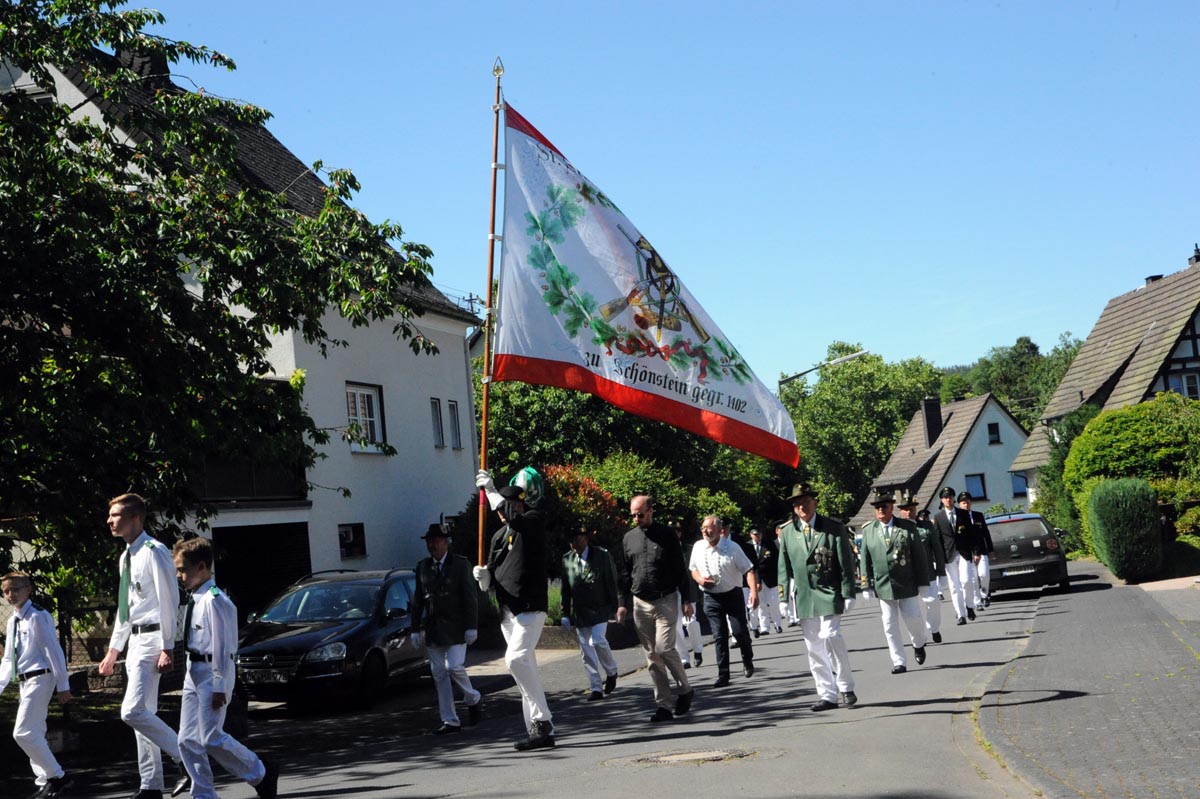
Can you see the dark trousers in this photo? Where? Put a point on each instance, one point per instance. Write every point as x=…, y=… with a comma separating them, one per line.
x=726, y=614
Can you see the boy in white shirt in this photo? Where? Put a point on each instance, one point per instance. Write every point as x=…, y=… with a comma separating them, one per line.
x=210, y=638
x=33, y=657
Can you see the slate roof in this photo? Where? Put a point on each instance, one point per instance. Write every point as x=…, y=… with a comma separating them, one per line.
x=921, y=469
x=266, y=162
x=1122, y=356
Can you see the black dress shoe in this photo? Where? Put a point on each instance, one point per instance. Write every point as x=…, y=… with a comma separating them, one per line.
x=961, y=621
x=937, y=638
x=540, y=737
x=147, y=793
x=184, y=783
x=610, y=682
x=970, y=614
x=778, y=629
x=722, y=681
x=748, y=668
x=683, y=702
x=474, y=713
x=756, y=633
x=849, y=698
x=661, y=714
x=698, y=658
x=898, y=669
x=595, y=696
x=447, y=729
x=987, y=601
x=919, y=654
x=268, y=786
x=824, y=704
x=793, y=624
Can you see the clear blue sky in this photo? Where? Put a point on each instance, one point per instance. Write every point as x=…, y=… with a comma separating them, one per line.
x=927, y=178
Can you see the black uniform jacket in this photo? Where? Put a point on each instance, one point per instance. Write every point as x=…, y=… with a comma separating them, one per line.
x=517, y=561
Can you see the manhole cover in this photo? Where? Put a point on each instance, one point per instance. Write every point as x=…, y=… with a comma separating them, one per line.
x=685, y=757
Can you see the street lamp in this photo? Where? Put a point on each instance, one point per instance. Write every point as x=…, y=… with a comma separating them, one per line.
x=834, y=362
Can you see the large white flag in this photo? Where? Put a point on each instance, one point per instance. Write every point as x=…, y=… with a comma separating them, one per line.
x=586, y=303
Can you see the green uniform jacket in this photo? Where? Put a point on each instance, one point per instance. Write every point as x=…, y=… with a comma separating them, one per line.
x=821, y=563
x=896, y=567
x=589, y=588
x=445, y=606
x=933, y=548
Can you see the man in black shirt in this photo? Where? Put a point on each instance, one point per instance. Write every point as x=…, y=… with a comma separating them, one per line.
x=516, y=567
x=651, y=575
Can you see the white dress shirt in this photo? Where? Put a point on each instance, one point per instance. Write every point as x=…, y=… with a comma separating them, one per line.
x=213, y=632
x=153, y=592
x=33, y=629
x=725, y=563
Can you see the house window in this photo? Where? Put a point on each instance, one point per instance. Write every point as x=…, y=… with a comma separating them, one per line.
x=993, y=432
x=976, y=487
x=352, y=540
x=1187, y=384
x=1020, y=486
x=364, y=408
x=439, y=436
x=455, y=432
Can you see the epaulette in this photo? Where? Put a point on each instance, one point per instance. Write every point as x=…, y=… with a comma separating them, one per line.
x=152, y=543
x=215, y=591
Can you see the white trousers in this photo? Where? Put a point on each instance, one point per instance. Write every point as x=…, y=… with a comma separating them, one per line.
x=687, y=634
x=449, y=667
x=828, y=660
x=202, y=734
x=521, y=634
x=30, y=730
x=787, y=609
x=768, y=610
x=597, y=654
x=140, y=710
x=932, y=607
x=958, y=577
x=891, y=610
x=985, y=575
x=970, y=583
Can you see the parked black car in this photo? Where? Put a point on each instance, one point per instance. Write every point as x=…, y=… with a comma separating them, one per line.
x=1028, y=553
x=332, y=633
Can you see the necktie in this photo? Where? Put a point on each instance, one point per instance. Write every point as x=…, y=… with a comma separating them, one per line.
x=437, y=567
x=14, y=647
x=123, y=590
x=187, y=622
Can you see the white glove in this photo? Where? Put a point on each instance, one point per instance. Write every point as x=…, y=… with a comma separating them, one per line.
x=483, y=577
x=416, y=639
x=849, y=604
x=471, y=636
x=484, y=480
x=566, y=622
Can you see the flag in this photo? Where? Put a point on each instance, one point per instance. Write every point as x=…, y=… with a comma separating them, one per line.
x=586, y=303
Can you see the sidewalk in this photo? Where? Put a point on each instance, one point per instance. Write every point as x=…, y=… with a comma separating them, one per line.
x=1105, y=699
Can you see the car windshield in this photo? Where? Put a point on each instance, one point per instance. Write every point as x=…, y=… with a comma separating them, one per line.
x=1018, y=529
x=322, y=602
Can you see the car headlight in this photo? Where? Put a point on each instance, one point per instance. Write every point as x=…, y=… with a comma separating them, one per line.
x=335, y=651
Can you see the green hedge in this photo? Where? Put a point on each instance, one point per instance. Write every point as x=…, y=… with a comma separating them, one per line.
x=1123, y=521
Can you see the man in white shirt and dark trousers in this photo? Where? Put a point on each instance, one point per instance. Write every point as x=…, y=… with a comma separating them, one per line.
x=35, y=661
x=717, y=565
x=147, y=604
x=210, y=640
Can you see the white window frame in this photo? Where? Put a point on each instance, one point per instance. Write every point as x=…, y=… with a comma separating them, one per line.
x=439, y=433
x=364, y=406
x=1185, y=383
x=455, y=429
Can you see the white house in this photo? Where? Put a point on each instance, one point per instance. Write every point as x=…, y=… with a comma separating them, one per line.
x=967, y=445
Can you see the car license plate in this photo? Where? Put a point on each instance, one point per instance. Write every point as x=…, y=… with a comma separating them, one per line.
x=266, y=675
x=1015, y=572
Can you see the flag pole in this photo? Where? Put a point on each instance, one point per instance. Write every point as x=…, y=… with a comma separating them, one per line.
x=497, y=71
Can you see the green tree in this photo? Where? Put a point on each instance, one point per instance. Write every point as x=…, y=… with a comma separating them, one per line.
x=1054, y=501
x=144, y=275
x=848, y=423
